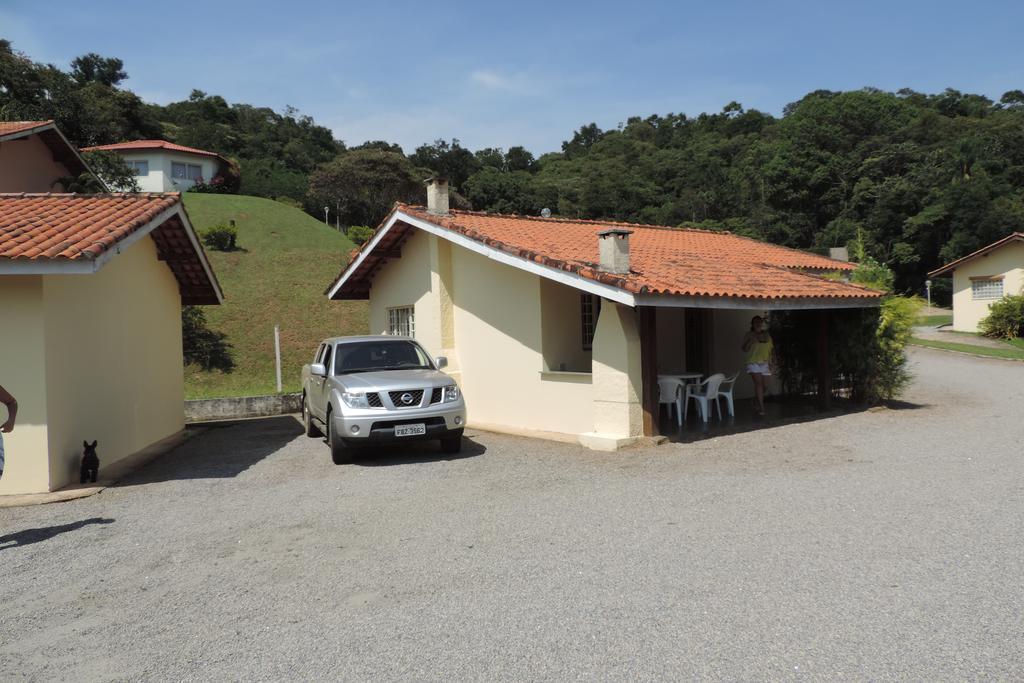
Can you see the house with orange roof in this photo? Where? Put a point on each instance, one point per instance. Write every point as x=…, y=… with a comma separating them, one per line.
x=560, y=328
x=982, y=277
x=91, y=290
x=162, y=166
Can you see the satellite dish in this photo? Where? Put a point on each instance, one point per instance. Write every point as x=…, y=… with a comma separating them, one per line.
x=545, y=212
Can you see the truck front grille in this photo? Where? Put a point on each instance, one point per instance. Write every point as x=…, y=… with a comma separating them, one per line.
x=416, y=396
x=435, y=396
x=374, y=400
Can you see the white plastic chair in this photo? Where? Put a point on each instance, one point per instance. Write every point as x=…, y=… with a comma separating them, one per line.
x=725, y=391
x=670, y=391
x=708, y=395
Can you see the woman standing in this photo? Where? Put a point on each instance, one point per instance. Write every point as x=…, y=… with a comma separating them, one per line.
x=8, y=426
x=757, y=343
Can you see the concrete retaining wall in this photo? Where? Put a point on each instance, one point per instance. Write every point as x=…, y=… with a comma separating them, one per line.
x=207, y=409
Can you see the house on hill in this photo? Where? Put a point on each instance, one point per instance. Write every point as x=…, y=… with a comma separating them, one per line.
x=560, y=328
x=982, y=277
x=91, y=289
x=163, y=166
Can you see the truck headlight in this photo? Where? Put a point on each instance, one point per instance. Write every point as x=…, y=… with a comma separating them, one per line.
x=451, y=393
x=354, y=400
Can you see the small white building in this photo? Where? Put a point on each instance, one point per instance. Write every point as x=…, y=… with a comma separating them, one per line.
x=163, y=166
x=983, y=277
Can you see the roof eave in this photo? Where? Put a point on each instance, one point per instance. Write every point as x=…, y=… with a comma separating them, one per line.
x=948, y=269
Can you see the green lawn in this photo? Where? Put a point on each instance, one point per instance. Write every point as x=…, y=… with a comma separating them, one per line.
x=277, y=276
x=1014, y=349
x=934, y=320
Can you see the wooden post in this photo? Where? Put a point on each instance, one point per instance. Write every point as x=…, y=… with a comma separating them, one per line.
x=277, y=355
x=824, y=369
x=649, y=368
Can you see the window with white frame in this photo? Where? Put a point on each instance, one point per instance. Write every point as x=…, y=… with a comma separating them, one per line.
x=402, y=321
x=987, y=288
x=181, y=171
x=590, y=307
x=138, y=167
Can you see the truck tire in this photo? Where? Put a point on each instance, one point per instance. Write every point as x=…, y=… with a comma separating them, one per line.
x=307, y=421
x=340, y=453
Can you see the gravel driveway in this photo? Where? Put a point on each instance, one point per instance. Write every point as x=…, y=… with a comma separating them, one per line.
x=883, y=544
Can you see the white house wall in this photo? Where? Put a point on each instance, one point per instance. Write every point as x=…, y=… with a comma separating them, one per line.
x=160, y=178
x=114, y=370
x=1006, y=261
x=497, y=332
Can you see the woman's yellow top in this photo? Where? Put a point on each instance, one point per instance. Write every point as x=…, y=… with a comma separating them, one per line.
x=761, y=351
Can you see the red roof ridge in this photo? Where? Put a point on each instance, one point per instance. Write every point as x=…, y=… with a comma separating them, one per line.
x=152, y=143
x=94, y=195
x=646, y=226
x=559, y=219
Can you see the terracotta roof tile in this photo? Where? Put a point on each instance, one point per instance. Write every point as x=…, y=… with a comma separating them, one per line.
x=69, y=226
x=8, y=127
x=663, y=260
x=73, y=228
x=151, y=144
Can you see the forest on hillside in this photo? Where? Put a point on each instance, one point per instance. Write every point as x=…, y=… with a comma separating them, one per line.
x=913, y=179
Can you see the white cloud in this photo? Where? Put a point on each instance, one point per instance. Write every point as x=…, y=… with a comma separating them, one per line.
x=519, y=84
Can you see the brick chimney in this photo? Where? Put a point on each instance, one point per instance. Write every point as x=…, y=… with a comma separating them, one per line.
x=437, y=195
x=613, y=249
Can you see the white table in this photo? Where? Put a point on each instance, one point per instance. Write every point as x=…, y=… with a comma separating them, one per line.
x=683, y=377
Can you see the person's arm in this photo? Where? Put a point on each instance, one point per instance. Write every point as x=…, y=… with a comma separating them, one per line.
x=748, y=340
x=12, y=410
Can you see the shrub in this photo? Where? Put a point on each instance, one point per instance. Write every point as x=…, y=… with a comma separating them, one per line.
x=871, y=273
x=1005, y=319
x=218, y=185
x=201, y=345
x=222, y=237
x=867, y=349
x=359, y=233
x=895, y=326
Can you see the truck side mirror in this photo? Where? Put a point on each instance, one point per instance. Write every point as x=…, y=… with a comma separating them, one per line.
x=441, y=362
x=318, y=370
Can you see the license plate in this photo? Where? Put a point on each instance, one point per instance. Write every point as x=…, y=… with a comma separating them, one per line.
x=411, y=430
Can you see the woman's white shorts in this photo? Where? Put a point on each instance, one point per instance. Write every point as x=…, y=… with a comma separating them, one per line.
x=758, y=369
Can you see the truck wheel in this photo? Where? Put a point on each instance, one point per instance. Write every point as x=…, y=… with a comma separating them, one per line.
x=452, y=444
x=340, y=453
x=307, y=421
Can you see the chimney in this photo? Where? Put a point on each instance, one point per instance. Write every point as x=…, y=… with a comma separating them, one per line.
x=437, y=195
x=839, y=253
x=613, y=248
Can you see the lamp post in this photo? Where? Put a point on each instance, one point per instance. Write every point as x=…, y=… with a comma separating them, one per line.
x=928, y=291
x=327, y=210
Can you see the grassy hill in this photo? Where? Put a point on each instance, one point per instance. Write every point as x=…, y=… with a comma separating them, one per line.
x=284, y=262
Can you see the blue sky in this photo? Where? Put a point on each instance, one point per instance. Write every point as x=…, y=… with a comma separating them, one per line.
x=501, y=74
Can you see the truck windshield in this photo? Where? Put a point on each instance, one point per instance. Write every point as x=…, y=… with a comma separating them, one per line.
x=368, y=356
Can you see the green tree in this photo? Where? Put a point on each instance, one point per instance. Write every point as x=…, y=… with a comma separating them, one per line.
x=93, y=68
x=364, y=185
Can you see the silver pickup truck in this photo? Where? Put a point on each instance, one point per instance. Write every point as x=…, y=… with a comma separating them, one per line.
x=366, y=390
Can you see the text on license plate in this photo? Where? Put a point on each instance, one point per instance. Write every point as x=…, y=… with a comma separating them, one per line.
x=410, y=430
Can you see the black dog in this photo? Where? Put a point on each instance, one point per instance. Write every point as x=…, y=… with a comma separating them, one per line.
x=90, y=462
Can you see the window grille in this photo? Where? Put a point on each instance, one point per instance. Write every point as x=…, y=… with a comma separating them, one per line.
x=402, y=321
x=590, y=308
